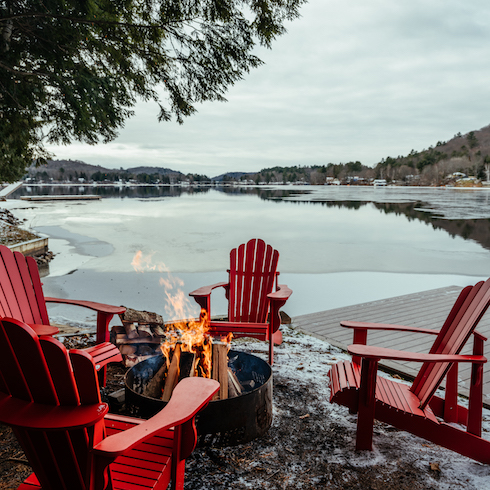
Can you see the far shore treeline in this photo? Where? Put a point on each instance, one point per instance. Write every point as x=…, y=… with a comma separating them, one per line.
x=464, y=160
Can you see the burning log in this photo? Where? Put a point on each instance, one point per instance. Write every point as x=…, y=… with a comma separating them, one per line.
x=173, y=375
x=187, y=365
x=155, y=387
x=220, y=369
x=234, y=386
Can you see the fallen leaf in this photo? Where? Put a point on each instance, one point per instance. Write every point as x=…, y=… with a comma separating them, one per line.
x=435, y=467
x=304, y=416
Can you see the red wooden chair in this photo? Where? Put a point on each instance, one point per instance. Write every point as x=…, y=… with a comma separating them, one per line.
x=416, y=409
x=253, y=307
x=50, y=398
x=21, y=297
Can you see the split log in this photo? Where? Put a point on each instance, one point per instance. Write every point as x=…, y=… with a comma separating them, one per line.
x=220, y=369
x=128, y=350
x=234, y=386
x=173, y=375
x=187, y=365
x=123, y=339
x=147, y=350
x=154, y=388
x=131, y=331
x=135, y=316
x=144, y=330
x=118, y=329
x=158, y=331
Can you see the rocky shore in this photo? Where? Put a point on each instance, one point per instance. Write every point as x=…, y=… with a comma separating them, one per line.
x=12, y=233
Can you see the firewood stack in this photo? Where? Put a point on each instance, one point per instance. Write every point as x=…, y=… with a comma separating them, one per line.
x=139, y=336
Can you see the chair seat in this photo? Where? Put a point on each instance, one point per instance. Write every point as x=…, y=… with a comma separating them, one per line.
x=140, y=468
x=104, y=353
x=144, y=465
x=345, y=381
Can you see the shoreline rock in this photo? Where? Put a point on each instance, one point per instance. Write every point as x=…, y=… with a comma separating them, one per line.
x=11, y=234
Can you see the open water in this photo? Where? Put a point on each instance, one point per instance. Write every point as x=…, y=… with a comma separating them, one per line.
x=337, y=245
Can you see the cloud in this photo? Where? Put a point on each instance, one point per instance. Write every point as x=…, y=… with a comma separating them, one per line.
x=349, y=81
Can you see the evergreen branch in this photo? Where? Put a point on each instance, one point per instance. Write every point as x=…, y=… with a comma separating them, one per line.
x=24, y=73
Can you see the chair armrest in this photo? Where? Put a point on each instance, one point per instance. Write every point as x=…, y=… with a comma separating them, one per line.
x=189, y=397
x=16, y=412
x=202, y=296
x=282, y=293
x=104, y=314
x=109, y=309
x=206, y=290
x=386, y=326
x=371, y=352
x=44, y=330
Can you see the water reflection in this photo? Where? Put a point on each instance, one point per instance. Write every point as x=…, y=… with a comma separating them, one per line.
x=469, y=229
x=460, y=213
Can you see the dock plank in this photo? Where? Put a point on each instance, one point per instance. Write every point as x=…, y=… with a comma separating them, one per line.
x=427, y=309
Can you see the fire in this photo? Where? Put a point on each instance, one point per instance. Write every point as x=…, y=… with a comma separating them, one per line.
x=192, y=334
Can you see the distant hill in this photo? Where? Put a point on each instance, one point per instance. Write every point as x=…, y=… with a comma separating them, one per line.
x=53, y=168
x=153, y=170
x=70, y=169
x=464, y=153
x=234, y=176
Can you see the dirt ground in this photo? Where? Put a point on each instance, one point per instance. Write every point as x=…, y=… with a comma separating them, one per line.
x=303, y=449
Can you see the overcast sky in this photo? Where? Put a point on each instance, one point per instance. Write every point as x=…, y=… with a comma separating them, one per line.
x=351, y=80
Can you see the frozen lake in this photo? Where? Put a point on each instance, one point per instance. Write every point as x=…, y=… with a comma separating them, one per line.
x=337, y=245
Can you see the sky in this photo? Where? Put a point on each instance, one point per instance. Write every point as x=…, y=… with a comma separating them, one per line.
x=357, y=80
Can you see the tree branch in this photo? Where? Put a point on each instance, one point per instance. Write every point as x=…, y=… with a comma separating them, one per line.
x=85, y=21
x=23, y=73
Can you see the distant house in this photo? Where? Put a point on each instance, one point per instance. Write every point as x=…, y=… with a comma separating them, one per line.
x=457, y=175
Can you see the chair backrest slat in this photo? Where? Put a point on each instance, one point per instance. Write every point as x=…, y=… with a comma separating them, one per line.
x=257, y=281
x=28, y=276
x=9, y=304
x=29, y=377
x=61, y=372
x=42, y=371
x=252, y=274
x=85, y=377
x=40, y=302
x=21, y=293
x=465, y=315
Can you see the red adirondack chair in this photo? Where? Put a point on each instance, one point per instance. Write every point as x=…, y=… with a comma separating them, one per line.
x=253, y=307
x=21, y=297
x=417, y=409
x=50, y=397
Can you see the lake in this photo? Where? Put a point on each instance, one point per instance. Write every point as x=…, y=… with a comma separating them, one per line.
x=338, y=245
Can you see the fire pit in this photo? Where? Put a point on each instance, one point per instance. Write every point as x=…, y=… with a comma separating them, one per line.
x=226, y=422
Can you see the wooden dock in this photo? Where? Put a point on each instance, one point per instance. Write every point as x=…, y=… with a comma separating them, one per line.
x=427, y=309
x=9, y=189
x=74, y=197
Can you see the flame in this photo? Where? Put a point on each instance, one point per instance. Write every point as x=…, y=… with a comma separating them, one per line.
x=192, y=335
